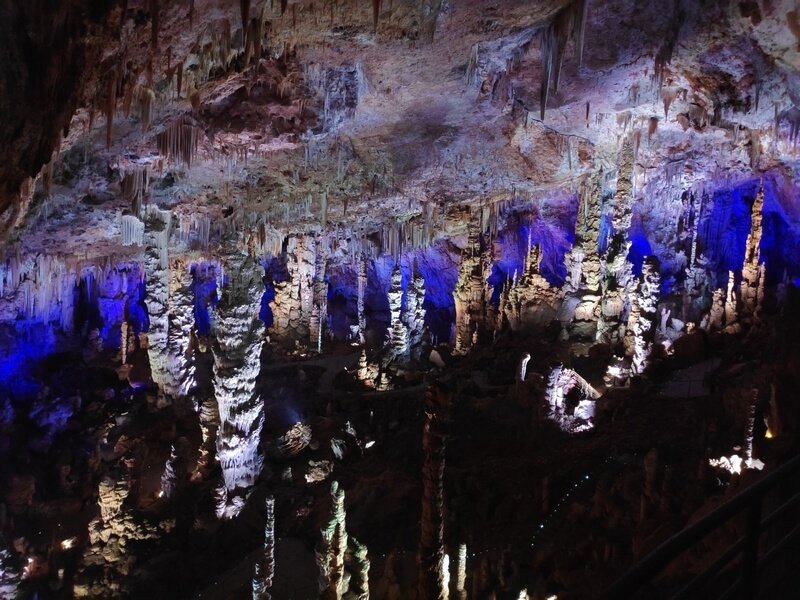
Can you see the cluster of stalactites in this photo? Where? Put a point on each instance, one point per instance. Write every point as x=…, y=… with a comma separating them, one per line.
x=179, y=141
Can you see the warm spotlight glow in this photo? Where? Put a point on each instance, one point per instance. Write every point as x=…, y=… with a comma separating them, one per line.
x=68, y=543
x=768, y=435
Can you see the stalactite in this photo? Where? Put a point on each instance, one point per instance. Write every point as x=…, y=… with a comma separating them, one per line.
x=376, y=10
x=430, y=557
x=154, y=18
x=111, y=105
x=134, y=186
x=362, y=286
x=244, y=7
x=179, y=85
x=179, y=140
x=568, y=22
x=146, y=98
x=180, y=367
x=265, y=564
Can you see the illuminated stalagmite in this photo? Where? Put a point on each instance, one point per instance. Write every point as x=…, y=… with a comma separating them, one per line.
x=414, y=314
x=319, y=309
x=616, y=270
x=471, y=293
x=237, y=359
x=431, y=571
x=156, y=262
x=645, y=299
x=209, y=424
x=341, y=559
x=531, y=300
x=397, y=343
x=264, y=571
x=180, y=363
x=294, y=298
x=753, y=270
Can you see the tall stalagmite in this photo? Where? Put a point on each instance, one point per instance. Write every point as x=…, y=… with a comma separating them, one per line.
x=265, y=564
x=616, y=276
x=431, y=575
x=237, y=359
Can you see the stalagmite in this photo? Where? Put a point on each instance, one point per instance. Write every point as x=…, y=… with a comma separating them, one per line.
x=413, y=315
x=530, y=301
x=175, y=469
x=471, y=292
x=156, y=267
x=459, y=582
x=397, y=343
x=431, y=584
x=180, y=360
x=237, y=359
x=752, y=285
x=362, y=286
x=265, y=564
x=522, y=368
x=342, y=560
x=294, y=298
x=731, y=314
x=209, y=424
x=319, y=310
x=123, y=342
x=616, y=269
x=646, y=300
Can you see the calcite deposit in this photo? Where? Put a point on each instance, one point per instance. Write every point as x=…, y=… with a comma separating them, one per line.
x=505, y=290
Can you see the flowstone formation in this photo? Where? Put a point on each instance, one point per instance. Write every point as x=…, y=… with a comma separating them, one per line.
x=254, y=254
